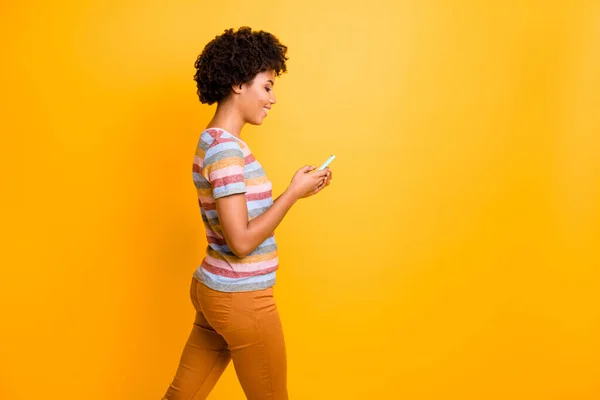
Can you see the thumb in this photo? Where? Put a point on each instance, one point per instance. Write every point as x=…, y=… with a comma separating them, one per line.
x=307, y=168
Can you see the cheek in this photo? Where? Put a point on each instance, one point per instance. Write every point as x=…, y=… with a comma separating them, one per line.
x=254, y=99
x=263, y=97
x=250, y=102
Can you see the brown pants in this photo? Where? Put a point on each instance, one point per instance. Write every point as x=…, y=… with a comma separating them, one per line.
x=242, y=326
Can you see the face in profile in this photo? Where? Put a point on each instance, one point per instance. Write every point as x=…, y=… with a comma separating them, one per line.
x=256, y=98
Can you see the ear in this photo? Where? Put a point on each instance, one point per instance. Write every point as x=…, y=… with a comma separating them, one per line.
x=237, y=88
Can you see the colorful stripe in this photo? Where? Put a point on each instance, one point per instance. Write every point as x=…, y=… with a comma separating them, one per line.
x=224, y=165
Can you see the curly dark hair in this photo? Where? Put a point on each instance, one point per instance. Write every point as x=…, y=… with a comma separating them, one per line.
x=235, y=58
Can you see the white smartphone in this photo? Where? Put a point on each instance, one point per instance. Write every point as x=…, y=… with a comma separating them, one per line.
x=326, y=163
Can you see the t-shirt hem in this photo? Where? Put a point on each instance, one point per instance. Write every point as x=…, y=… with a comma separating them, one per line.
x=232, y=288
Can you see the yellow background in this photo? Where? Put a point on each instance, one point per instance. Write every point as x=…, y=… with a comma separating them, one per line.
x=455, y=255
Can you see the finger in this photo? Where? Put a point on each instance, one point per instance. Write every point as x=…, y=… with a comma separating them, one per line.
x=322, y=173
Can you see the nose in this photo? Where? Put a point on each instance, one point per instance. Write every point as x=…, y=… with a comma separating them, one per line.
x=273, y=100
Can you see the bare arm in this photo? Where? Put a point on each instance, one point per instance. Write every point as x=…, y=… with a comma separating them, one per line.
x=243, y=236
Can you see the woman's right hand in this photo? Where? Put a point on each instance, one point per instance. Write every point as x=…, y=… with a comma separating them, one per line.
x=306, y=183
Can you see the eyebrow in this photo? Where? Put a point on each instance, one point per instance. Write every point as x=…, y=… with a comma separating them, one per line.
x=272, y=83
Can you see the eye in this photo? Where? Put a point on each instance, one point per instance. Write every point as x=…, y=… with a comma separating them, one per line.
x=268, y=89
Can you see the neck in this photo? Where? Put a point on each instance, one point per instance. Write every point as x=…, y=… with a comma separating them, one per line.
x=227, y=117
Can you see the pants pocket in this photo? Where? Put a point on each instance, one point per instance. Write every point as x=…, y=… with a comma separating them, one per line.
x=194, y=294
x=216, y=306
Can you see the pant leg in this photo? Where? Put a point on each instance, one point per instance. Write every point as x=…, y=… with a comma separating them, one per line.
x=203, y=361
x=253, y=332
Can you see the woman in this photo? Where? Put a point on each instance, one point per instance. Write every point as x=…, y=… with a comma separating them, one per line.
x=232, y=290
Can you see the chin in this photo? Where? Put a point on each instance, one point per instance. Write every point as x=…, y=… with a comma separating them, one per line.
x=256, y=122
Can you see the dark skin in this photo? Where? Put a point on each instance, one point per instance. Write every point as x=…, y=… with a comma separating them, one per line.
x=250, y=103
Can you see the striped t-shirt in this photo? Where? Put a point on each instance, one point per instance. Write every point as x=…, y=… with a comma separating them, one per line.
x=224, y=165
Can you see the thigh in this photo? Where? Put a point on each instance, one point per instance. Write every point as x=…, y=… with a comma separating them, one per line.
x=257, y=346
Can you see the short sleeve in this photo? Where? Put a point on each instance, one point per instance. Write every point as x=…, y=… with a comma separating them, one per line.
x=223, y=168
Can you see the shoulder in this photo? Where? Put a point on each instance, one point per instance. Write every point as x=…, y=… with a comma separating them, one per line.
x=211, y=138
x=220, y=145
